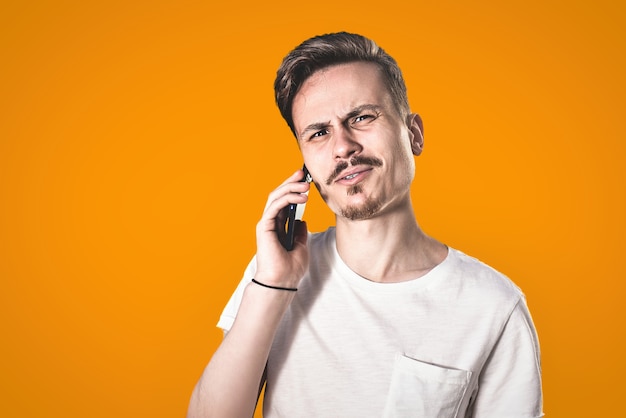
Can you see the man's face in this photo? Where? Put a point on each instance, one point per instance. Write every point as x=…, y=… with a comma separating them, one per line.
x=356, y=145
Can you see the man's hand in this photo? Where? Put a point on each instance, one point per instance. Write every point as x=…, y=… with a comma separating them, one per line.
x=275, y=265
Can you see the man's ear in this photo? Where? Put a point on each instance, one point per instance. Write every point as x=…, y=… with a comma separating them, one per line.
x=416, y=128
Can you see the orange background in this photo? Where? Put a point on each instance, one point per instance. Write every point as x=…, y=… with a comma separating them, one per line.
x=138, y=141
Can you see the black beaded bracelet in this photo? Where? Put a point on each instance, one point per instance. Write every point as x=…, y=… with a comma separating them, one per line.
x=290, y=289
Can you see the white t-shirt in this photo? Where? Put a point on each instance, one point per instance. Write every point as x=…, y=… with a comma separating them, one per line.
x=456, y=342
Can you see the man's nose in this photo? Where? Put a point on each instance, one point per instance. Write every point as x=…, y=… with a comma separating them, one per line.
x=346, y=144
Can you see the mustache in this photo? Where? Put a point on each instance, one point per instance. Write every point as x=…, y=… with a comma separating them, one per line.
x=356, y=160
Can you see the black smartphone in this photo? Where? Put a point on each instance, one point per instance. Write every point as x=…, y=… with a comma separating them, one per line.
x=294, y=212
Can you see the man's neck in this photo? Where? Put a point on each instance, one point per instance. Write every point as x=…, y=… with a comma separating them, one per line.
x=388, y=248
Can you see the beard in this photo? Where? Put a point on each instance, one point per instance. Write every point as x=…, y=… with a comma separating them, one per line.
x=365, y=210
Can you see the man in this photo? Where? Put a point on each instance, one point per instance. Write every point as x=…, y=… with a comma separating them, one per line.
x=386, y=321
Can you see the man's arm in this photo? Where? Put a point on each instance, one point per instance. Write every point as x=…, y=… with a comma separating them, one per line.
x=229, y=386
x=510, y=382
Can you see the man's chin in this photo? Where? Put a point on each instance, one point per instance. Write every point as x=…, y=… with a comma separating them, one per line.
x=365, y=210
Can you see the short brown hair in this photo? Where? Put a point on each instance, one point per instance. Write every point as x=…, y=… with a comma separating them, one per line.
x=326, y=50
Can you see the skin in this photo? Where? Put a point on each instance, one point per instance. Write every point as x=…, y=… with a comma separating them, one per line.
x=345, y=118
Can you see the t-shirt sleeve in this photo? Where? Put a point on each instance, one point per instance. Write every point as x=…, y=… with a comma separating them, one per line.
x=510, y=382
x=232, y=307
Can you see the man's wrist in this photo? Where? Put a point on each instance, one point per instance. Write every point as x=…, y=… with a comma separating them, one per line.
x=269, y=286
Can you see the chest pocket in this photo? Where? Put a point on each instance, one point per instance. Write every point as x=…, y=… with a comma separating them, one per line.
x=420, y=389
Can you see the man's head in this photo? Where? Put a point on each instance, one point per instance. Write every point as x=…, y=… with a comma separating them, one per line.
x=327, y=50
x=345, y=101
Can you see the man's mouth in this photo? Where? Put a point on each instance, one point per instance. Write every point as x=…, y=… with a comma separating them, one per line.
x=355, y=176
x=368, y=163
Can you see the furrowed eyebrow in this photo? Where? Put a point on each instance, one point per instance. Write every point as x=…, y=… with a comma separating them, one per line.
x=360, y=109
x=318, y=126
x=314, y=127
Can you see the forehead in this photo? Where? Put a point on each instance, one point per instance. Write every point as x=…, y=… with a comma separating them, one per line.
x=334, y=91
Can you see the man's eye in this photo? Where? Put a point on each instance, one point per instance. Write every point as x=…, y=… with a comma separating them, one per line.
x=361, y=118
x=319, y=133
